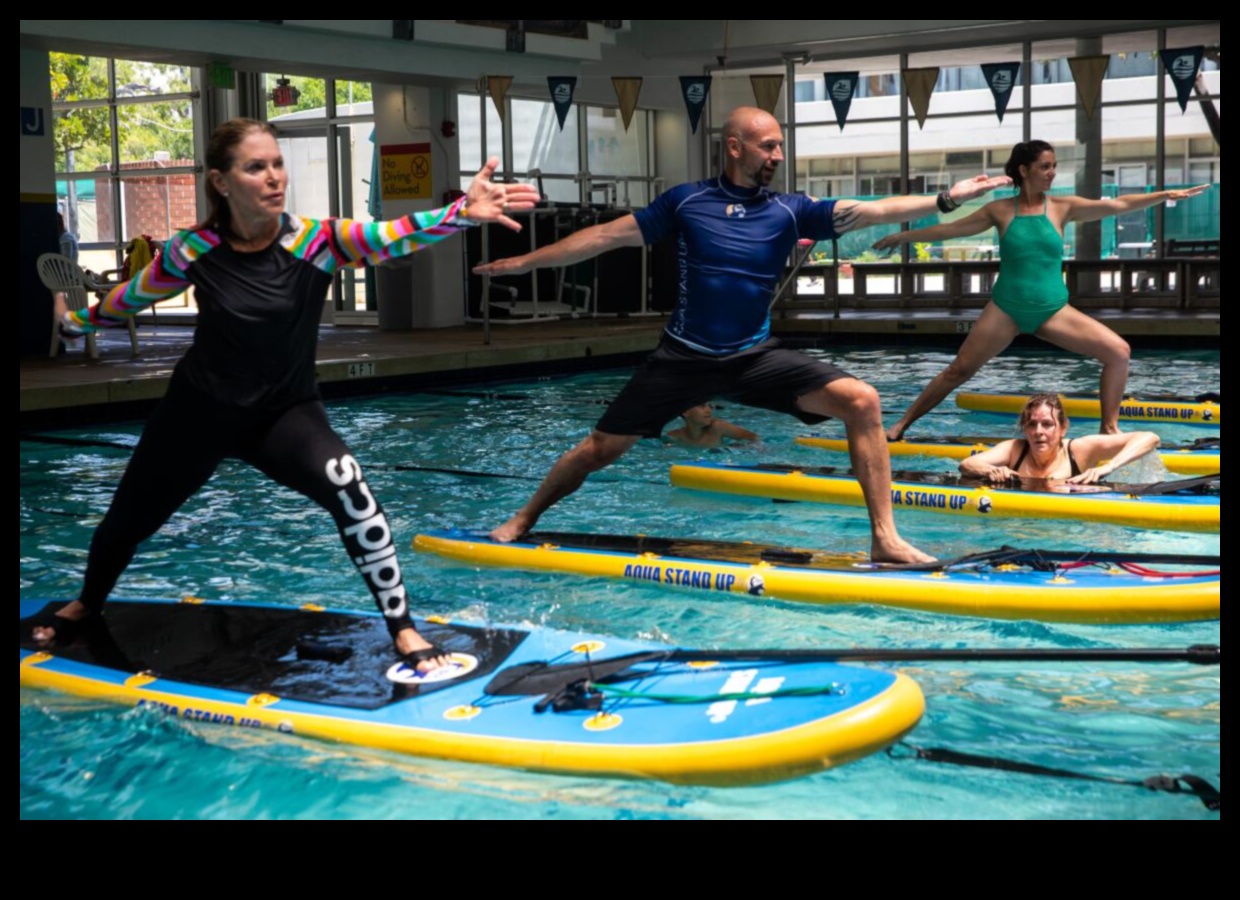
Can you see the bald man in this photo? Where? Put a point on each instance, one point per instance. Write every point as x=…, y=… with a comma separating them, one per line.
x=735, y=236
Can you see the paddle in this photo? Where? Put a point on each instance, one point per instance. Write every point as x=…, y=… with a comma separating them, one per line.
x=1198, y=654
x=1201, y=485
x=548, y=677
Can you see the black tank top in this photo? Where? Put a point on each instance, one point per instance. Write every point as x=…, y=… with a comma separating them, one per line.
x=1076, y=470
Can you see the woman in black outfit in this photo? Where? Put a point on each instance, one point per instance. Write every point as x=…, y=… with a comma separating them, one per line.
x=246, y=388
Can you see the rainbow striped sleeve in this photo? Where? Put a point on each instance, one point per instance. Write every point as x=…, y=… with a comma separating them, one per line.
x=331, y=244
x=164, y=277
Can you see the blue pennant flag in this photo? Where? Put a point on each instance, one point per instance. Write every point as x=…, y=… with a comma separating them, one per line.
x=562, y=87
x=1182, y=65
x=840, y=88
x=1001, y=78
x=696, y=88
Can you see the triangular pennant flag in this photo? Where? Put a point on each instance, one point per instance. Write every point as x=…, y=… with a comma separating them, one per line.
x=840, y=88
x=497, y=86
x=1182, y=66
x=919, y=84
x=1001, y=78
x=696, y=89
x=627, y=90
x=562, y=87
x=766, y=90
x=1087, y=72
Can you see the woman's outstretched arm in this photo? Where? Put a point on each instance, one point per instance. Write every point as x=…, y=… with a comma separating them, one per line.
x=975, y=223
x=1081, y=209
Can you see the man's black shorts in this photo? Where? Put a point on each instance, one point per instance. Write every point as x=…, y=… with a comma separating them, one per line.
x=675, y=378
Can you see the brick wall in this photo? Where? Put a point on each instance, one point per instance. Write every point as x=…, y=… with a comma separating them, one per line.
x=157, y=205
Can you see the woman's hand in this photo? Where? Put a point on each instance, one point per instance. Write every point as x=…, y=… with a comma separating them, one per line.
x=1092, y=476
x=60, y=309
x=977, y=186
x=1185, y=193
x=890, y=242
x=1000, y=474
x=491, y=201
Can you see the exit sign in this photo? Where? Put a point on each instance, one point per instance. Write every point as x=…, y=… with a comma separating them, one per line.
x=223, y=76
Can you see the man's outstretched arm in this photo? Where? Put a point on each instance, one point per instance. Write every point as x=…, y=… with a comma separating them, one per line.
x=584, y=244
x=850, y=215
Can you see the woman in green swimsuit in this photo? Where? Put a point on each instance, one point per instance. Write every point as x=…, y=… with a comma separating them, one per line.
x=1030, y=296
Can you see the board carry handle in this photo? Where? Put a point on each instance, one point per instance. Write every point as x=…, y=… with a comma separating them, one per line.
x=790, y=557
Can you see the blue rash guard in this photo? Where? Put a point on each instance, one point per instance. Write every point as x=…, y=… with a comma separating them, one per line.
x=733, y=244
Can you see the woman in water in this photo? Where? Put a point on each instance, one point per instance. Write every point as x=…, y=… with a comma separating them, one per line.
x=1044, y=452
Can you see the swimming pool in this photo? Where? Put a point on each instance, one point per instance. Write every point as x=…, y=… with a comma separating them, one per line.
x=242, y=538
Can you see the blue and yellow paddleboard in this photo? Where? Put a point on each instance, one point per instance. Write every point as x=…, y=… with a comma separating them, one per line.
x=1006, y=584
x=1202, y=409
x=514, y=696
x=1196, y=509
x=1199, y=457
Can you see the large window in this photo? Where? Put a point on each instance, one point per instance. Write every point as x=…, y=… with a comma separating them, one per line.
x=617, y=168
x=124, y=143
x=325, y=134
x=1116, y=151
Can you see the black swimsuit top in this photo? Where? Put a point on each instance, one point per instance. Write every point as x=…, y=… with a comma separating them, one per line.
x=1076, y=470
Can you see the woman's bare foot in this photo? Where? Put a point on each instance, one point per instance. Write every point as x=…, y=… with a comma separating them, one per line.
x=74, y=612
x=898, y=550
x=408, y=641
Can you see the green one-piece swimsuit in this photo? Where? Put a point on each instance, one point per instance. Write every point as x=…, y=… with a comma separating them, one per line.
x=1030, y=285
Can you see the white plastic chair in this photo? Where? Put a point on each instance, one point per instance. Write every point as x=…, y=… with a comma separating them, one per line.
x=61, y=275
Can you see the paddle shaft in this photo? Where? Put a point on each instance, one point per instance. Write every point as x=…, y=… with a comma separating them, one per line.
x=1199, y=654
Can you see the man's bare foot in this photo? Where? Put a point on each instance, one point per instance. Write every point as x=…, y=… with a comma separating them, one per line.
x=895, y=433
x=45, y=633
x=898, y=551
x=511, y=530
x=408, y=641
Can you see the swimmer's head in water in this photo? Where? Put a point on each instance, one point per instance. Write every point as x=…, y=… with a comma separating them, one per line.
x=702, y=414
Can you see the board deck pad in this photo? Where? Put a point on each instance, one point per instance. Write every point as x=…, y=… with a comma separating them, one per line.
x=263, y=650
x=696, y=548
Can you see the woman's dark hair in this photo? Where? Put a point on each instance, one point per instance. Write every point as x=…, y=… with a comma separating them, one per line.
x=221, y=147
x=1024, y=155
x=1036, y=402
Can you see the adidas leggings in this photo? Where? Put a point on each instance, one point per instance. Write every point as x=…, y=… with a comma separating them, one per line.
x=187, y=437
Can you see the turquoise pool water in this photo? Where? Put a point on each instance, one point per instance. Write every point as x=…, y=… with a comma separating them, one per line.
x=242, y=538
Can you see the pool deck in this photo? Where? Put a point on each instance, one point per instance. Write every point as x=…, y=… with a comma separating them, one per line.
x=72, y=389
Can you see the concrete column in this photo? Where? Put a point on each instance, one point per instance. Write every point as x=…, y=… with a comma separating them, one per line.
x=434, y=294
x=1089, y=170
